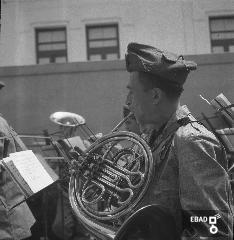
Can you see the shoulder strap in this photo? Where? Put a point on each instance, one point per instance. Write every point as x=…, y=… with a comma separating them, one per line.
x=165, y=145
x=172, y=129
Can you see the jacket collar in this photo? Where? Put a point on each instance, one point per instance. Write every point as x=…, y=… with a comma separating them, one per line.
x=154, y=136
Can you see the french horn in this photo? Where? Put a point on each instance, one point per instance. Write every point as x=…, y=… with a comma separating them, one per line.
x=109, y=181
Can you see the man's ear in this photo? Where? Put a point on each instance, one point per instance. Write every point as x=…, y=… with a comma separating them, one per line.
x=156, y=95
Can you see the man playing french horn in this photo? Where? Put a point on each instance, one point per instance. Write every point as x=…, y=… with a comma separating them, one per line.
x=170, y=184
x=190, y=178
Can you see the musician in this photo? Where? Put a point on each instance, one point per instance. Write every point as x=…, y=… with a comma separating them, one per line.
x=190, y=164
x=15, y=223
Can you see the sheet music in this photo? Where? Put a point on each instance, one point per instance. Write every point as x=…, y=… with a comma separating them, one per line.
x=31, y=170
x=76, y=141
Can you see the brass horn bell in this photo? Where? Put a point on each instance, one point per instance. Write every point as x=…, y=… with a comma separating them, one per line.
x=67, y=119
x=70, y=123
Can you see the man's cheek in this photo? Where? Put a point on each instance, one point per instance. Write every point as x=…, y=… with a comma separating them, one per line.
x=135, y=102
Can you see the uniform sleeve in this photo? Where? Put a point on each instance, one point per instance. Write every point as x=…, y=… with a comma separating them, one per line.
x=2, y=136
x=1, y=155
x=4, y=145
x=204, y=187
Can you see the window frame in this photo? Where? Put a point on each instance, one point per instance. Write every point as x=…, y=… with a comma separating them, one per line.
x=51, y=54
x=225, y=43
x=107, y=50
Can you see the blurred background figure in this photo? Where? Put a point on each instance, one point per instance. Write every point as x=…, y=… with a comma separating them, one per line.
x=15, y=223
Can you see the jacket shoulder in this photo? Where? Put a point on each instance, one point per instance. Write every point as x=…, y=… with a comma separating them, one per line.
x=4, y=127
x=193, y=132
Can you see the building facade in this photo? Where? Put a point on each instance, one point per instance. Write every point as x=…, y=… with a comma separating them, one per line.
x=58, y=31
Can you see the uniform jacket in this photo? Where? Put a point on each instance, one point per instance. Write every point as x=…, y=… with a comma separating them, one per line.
x=190, y=178
x=15, y=223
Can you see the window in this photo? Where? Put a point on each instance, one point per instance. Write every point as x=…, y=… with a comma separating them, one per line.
x=102, y=42
x=222, y=34
x=51, y=45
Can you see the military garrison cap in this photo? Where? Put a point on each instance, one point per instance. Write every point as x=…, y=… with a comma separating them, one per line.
x=171, y=68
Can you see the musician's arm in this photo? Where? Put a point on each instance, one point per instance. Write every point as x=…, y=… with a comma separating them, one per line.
x=204, y=185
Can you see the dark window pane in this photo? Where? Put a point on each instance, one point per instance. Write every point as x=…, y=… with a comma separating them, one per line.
x=60, y=59
x=43, y=60
x=218, y=49
x=102, y=33
x=231, y=48
x=106, y=43
x=47, y=47
x=111, y=56
x=51, y=45
x=44, y=37
x=217, y=25
x=222, y=34
x=109, y=33
x=95, y=57
x=58, y=36
x=102, y=42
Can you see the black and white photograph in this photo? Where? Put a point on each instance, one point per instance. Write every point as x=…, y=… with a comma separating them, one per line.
x=116, y=119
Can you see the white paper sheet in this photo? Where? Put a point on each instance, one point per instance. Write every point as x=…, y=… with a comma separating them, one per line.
x=31, y=170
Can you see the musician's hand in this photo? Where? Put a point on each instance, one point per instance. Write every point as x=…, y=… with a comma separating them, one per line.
x=75, y=165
